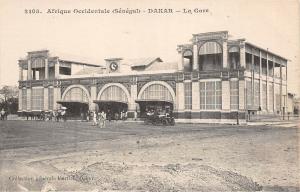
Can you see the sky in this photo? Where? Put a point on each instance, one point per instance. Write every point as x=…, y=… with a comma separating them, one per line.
x=272, y=24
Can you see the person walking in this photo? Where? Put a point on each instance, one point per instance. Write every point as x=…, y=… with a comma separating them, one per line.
x=102, y=118
x=2, y=113
x=95, y=118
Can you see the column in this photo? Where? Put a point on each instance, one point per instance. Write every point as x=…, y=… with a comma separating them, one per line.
x=20, y=100
x=225, y=95
x=242, y=95
x=28, y=99
x=56, y=97
x=93, y=97
x=274, y=93
x=180, y=98
x=242, y=55
x=29, y=70
x=56, y=69
x=225, y=55
x=132, y=104
x=281, y=106
x=195, y=96
x=195, y=58
x=286, y=91
x=252, y=78
x=267, y=79
x=46, y=97
x=46, y=69
x=180, y=61
x=260, y=81
x=20, y=73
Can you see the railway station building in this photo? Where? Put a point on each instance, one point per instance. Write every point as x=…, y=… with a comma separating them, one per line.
x=214, y=80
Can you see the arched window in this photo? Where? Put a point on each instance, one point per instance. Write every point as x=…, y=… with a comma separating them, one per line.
x=114, y=93
x=234, y=57
x=76, y=94
x=157, y=92
x=210, y=56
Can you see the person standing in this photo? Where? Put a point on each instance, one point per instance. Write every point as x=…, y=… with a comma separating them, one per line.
x=95, y=118
x=63, y=115
x=1, y=115
x=102, y=118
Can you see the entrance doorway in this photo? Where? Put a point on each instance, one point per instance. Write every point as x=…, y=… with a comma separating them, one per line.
x=155, y=105
x=112, y=109
x=75, y=109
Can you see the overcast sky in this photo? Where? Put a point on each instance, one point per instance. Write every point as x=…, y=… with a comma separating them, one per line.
x=272, y=24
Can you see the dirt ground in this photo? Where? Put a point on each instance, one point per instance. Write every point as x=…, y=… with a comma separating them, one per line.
x=76, y=156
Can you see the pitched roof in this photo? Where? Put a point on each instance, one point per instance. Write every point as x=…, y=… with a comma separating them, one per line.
x=90, y=70
x=162, y=66
x=141, y=61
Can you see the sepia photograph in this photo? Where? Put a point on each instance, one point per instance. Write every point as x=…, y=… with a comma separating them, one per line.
x=150, y=96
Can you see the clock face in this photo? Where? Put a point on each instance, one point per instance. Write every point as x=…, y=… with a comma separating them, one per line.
x=113, y=66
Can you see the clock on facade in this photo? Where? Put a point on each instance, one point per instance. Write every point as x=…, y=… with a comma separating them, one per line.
x=113, y=66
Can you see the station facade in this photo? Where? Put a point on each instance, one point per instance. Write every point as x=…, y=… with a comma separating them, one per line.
x=215, y=79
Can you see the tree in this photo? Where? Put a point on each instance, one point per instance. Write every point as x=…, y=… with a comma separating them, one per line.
x=9, y=99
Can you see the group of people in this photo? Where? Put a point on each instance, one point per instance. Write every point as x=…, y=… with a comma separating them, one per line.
x=3, y=115
x=55, y=115
x=99, y=119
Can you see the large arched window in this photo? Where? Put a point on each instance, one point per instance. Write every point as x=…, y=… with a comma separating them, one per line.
x=234, y=57
x=76, y=94
x=114, y=93
x=157, y=92
x=210, y=56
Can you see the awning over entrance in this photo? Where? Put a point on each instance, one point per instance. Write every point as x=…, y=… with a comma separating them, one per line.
x=108, y=102
x=72, y=102
x=153, y=101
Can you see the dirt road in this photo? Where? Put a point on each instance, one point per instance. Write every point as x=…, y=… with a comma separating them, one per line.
x=76, y=156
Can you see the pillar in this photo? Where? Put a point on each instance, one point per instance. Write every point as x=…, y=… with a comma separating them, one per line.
x=195, y=96
x=195, y=58
x=20, y=100
x=242, y=95
x=281, y=106
x=225, y=54
x=133, y=96
x=20, y=73
x=260, y=80
x=225, y=95
x=46, y=97
x=29, y=70
x=93, y=97
x=274, y=92
x=242, y=55
x=252, y=79
x=132, y=105
x=28, y=91
x=180, y=97
x=267, y=79
x=180, y=62
x=286, y=91
x=56, y=97
x=56, y=69
x=46, y=69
